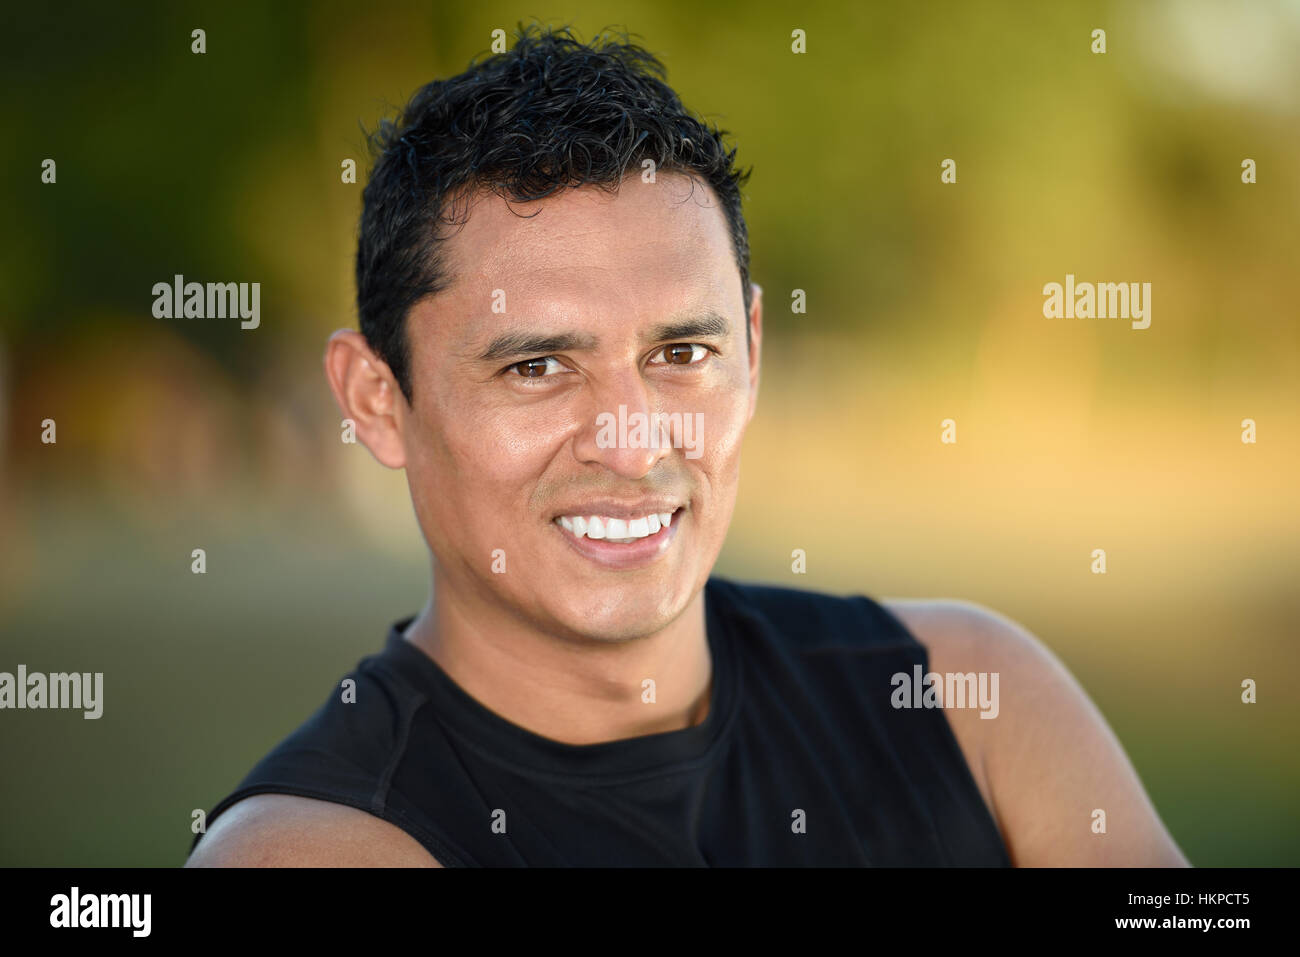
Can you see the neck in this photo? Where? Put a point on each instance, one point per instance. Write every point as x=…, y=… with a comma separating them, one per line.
x=577, y=693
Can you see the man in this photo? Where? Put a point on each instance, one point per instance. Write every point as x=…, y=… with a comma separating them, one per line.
x=560, y=345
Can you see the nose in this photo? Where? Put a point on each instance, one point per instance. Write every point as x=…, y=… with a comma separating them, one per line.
x=621, y=431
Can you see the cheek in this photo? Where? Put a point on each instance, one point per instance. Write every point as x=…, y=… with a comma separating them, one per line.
x=725, y=414
x=475, y=459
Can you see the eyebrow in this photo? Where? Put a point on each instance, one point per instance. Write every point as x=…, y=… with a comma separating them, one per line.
x=707, y=325
x=511, y=344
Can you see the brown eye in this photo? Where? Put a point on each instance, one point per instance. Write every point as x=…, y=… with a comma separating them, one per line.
x=680, y=354
x=532, y=368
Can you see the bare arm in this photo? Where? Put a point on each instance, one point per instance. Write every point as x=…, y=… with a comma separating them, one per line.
x=280, y=830
x=1049, y=760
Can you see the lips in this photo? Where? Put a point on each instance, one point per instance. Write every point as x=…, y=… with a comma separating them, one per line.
x=621, y=542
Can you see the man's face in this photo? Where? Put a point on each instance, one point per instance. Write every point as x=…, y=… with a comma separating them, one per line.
x=537, y=377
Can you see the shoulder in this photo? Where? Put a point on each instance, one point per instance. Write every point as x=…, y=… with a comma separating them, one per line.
x=963, y=632
x=1047, y=762
x=964, y=637
x=281, y=830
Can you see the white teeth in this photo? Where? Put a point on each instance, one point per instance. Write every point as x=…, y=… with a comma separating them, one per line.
x=619, y=530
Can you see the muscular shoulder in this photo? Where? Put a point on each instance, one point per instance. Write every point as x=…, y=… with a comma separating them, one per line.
x=281, y=830
x=1047, y=761
x=963, y=637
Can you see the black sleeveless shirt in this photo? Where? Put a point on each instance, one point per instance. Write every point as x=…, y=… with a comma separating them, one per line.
x=801, y=760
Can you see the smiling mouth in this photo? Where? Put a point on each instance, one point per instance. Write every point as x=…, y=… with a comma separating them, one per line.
x=616, y=531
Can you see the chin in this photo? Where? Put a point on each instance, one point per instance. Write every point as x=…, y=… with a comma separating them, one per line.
x=622, y=611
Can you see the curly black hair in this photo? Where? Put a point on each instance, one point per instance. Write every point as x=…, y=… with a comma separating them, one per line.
x=549, y=113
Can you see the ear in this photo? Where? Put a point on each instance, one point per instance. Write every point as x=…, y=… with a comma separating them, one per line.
x=368, y=394
x=755, y=343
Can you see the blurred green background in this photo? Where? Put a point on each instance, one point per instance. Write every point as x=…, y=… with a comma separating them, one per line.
x=924, y=303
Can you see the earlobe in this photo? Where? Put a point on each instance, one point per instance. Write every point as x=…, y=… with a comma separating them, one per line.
x=364, y=389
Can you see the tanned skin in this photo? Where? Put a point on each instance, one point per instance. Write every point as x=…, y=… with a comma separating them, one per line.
x=496, y=444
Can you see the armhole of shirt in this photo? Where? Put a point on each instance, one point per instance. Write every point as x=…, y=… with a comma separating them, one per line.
x=432, y=843
x=357, y=789
x=947, y=732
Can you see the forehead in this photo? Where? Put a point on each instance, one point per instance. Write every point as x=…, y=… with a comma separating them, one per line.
x=665, y=243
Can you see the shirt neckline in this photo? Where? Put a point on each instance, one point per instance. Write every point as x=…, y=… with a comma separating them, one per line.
x=500, y=740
